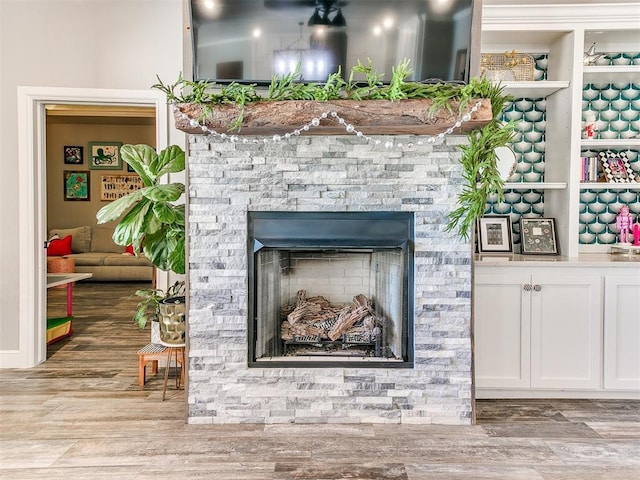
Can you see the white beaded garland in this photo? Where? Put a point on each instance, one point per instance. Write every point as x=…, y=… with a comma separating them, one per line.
x=315, y=122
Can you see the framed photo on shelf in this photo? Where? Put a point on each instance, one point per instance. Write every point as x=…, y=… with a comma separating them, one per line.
x=616, y=167
x=73, y=155
x=538, y=236
x=494, y=234
x=105, y=156
x=76, y=185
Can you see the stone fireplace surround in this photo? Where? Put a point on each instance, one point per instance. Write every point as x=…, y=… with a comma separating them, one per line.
x=325, y=173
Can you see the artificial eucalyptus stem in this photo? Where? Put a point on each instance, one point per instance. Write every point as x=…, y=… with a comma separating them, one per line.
x=479, y=163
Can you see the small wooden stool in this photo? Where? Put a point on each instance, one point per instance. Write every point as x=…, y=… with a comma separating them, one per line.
x=150, y=353
x=177, y=352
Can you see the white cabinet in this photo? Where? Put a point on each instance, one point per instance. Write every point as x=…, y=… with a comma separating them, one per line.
x=502, y=330
x=622, y=332
x=566, y=328
x=538, y=330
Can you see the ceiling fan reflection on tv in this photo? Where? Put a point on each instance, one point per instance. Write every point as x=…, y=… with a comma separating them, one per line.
x=322, y=13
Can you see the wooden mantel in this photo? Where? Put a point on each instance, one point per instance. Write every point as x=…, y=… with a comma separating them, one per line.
x=371, y=117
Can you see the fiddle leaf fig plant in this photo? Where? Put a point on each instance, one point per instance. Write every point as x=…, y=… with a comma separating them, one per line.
x=151, y=222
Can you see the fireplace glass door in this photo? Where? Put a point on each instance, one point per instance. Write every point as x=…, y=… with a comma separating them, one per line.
x=316, y=304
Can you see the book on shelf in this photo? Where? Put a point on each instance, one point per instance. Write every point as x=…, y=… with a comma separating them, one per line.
x=591, y=169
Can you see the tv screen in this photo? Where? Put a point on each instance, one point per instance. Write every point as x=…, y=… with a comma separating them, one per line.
x=249, y=41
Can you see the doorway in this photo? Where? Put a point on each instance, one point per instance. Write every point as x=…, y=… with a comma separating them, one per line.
x=32, y=103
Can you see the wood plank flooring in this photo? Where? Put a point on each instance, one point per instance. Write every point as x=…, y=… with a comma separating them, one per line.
x=82, y=415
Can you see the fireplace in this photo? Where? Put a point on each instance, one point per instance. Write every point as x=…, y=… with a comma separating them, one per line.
x=241, y=374
x=330, y=289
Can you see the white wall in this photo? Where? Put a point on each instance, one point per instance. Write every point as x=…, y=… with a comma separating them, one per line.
x=119, y=44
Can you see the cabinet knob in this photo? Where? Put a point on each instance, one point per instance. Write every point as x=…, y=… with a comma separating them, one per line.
x=526, y=287
x=537, y=288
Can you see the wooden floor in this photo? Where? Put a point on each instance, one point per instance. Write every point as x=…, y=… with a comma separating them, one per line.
x=81, y=415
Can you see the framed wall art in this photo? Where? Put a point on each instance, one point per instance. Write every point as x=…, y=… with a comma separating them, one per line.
x=73, y=155
x=616, y=167
x=105, y=156
x=115, y=186
x=494, y=234
x=76, y=185
x=538, y=236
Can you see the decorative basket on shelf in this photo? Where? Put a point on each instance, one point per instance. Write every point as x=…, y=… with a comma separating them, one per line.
x=507, y=66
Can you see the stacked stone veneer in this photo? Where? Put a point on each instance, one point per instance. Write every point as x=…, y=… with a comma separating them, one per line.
x=325, y=173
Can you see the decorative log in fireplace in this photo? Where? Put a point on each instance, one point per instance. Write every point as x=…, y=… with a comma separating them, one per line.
x=315, y=322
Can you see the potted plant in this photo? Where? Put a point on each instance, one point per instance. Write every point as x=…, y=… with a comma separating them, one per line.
x=154, y=225
x=149, y=307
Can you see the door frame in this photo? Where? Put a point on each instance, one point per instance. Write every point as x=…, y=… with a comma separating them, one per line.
x=32, y=198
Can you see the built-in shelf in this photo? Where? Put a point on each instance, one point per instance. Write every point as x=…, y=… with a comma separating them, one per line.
x=535, y=89
x=535, y=185
x=624, y=248
x=603, y=144
x=611, y=74
x=609, y=186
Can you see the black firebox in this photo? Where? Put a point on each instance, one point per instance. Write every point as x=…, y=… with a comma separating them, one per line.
x=330, y=289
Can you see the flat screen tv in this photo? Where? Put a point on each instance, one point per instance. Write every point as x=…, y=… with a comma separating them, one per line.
x=250, y=41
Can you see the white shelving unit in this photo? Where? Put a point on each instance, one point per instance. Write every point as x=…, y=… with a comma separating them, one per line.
x=611, y=73
x=564, y=41
x=539, y=89
x=610, y=186
x=614, y=143
x=535, y=185
x=520, y=348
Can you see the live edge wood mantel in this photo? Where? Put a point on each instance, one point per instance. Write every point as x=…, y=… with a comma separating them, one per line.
x=371, y=117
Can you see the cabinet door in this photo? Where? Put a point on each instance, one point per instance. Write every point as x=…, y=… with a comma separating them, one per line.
x=566, y=312
x=502, y=330
x=622, y=332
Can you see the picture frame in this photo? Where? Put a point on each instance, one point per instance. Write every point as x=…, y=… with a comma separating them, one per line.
x=77, y=185
x=494, y=234
x=616, y=167
x=73, y=155
x=115, y=186
x=538, y=236
x=104, y=155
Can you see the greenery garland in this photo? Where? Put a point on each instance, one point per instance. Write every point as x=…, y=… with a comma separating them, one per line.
x=479, y=161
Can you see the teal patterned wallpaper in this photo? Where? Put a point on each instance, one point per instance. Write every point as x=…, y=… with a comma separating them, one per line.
x=615, y=108
x=528, y=145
